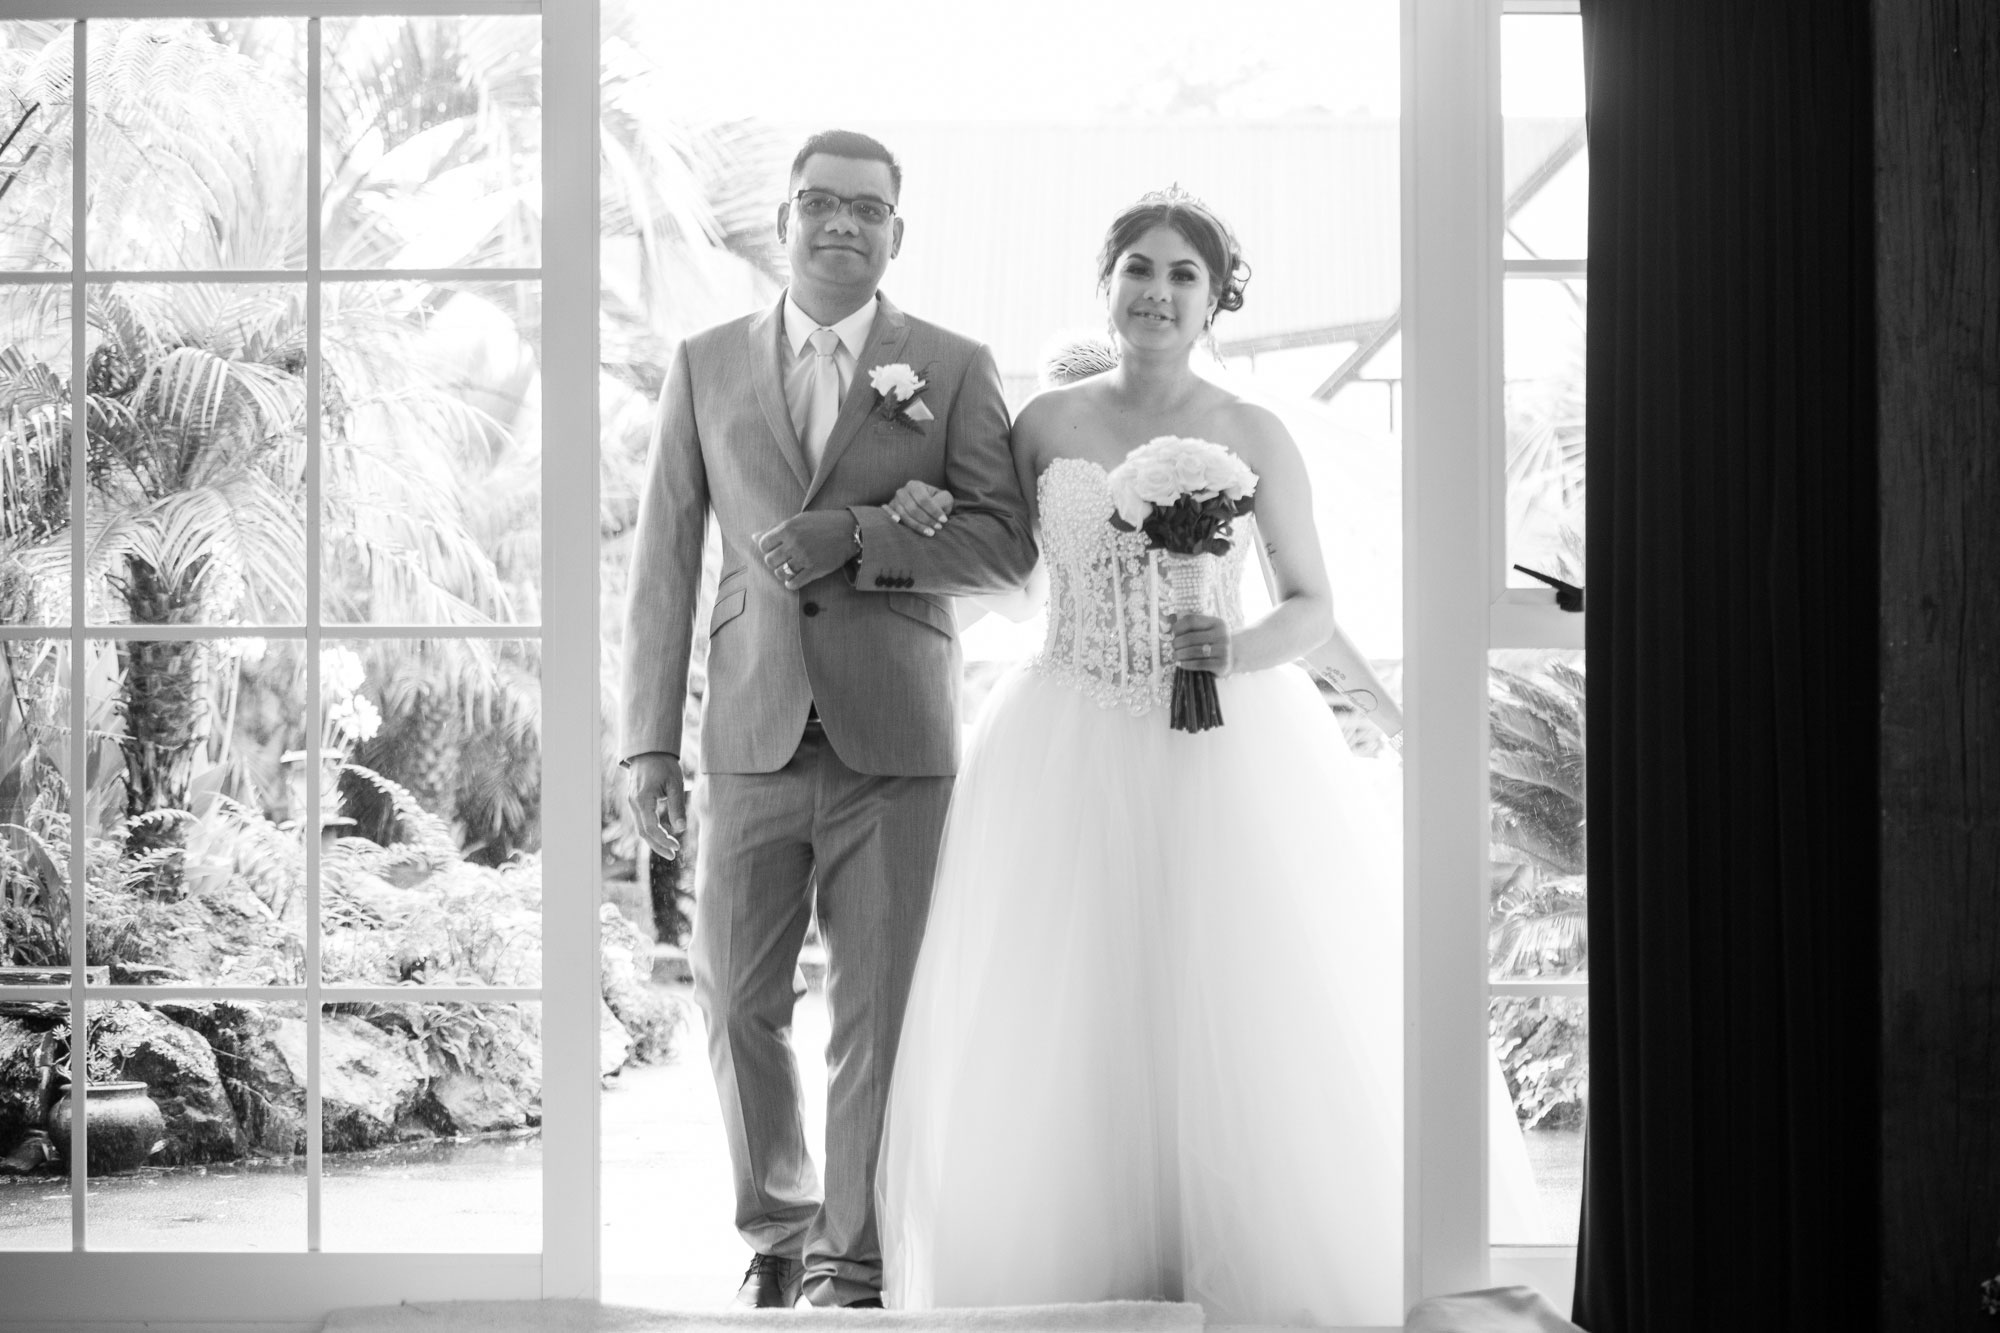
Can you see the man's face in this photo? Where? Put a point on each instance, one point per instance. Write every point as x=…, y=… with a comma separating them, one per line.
x=841, y=250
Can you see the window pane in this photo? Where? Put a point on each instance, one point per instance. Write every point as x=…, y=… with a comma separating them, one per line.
x=197, y=871
x=34, y=454
x=432, y=871
x=34, y=826
x=34, y=1204
x=36, y=125
x=1545, y=448
x=197, y=144
x=1542, y=1075
x=1547, y=164
x=1536, y=754
x=431, y=133
x=431, y=439
x=196, y=1130
x=197, y=439
x=431, y=1120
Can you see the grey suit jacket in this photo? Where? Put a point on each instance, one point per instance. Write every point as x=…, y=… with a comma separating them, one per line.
x=875, y=647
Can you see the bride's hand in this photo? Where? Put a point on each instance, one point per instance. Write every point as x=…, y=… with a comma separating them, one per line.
x=920, y=507
x=1201, y=643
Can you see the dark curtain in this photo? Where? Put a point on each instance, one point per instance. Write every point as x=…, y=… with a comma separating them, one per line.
x=1732, y=649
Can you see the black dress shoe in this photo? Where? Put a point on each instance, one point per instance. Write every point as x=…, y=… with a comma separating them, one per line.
x=866, y=1303
x=771, y=1283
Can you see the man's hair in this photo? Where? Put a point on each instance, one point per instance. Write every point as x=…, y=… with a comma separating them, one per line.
x=854, y=144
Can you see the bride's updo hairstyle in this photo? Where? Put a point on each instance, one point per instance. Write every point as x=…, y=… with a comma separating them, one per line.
x=1197, y=224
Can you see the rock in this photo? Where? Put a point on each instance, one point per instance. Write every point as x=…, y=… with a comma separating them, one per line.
x=179, y=1070
x=145, y=974
x=614, y=1043
x=651, y=1021
x=502, y=1089
x=19, y=1077
x=220, y=933
x=374, y=1079
x=264, y=1086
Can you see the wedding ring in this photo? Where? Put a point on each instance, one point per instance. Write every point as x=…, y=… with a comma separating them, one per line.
x=786, y=569
x=1208, y=650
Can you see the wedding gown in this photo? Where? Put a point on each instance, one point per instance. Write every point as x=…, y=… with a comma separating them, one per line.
x=1152, y=1044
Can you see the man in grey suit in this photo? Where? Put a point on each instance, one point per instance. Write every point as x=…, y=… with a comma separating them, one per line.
x=830, y=728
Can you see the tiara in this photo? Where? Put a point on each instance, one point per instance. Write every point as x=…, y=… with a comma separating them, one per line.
x=1174, y=194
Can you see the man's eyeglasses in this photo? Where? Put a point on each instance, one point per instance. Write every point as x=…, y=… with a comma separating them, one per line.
x=819, y=205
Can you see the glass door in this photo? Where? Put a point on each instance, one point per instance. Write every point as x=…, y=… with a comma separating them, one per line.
x=272, y=568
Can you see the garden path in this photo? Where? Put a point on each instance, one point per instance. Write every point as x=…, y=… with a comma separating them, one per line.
x=667, y=1200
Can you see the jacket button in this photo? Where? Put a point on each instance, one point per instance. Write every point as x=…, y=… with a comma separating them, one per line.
x=810, y=608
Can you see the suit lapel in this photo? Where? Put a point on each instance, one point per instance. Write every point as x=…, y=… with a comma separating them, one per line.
x=885, y=345
x=767, y=370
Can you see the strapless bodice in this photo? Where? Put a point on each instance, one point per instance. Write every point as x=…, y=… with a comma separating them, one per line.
x=1110, y=616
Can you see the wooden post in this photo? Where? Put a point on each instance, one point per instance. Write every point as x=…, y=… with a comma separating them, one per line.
x=1937, y=142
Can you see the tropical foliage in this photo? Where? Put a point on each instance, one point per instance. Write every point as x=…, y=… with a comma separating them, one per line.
x=198, y=480
x=1538, y=926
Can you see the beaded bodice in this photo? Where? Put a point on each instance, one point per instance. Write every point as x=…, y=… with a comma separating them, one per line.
x=1110, y=615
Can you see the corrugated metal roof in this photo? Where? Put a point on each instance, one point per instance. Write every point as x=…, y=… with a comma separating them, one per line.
x=1314, y=206
x=1004, y=219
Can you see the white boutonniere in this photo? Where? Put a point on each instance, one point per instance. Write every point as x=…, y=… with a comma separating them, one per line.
x=896, y=388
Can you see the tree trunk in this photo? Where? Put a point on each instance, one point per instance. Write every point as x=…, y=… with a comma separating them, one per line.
x=164, y=712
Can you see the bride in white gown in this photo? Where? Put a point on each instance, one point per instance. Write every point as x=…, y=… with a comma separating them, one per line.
x=1151, y=1048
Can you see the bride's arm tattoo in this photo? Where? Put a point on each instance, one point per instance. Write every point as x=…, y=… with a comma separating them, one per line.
x=1364, y=700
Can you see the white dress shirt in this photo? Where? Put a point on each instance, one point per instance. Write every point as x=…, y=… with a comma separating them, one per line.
x=853, y=333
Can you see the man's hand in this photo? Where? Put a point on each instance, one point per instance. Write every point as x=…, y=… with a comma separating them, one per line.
x=807, y=546
x=656, y=783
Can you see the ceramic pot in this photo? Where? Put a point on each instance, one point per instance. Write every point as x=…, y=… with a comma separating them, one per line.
x=125, y=1127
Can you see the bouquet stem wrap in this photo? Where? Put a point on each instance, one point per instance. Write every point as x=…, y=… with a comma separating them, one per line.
x=1191, y=581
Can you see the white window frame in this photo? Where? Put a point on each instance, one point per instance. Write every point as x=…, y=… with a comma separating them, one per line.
x=201, y=1289
x=1457, y=608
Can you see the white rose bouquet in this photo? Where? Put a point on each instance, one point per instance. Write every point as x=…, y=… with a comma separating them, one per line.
x=1183, y=493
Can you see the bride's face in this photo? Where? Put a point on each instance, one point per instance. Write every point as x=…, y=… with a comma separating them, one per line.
x=1160, y=292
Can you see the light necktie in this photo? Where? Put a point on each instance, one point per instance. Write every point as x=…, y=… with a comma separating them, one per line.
x=822, y=394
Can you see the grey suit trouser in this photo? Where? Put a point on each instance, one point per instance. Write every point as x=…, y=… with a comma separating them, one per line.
x=871, y=844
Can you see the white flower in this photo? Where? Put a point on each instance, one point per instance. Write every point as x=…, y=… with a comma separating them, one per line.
x=340, y=671
x=1162, y=470
x=355, y=718
x=1125, y=498
x=367, y=719
x=1228, y=475
x=896, y=381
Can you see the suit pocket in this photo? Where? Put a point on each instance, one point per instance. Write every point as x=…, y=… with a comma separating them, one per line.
x=918, y=607
x=727, y=608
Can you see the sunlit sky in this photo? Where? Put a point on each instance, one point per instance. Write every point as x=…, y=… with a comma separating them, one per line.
x=802, y=63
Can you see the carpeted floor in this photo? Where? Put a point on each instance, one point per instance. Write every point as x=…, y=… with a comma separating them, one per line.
x=589, y=1317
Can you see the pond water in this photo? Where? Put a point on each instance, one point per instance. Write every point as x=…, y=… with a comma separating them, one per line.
x=665, y=1182
x=480, y=1194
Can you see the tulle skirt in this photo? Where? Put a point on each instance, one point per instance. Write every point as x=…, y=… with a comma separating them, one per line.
x=1152, y=1046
